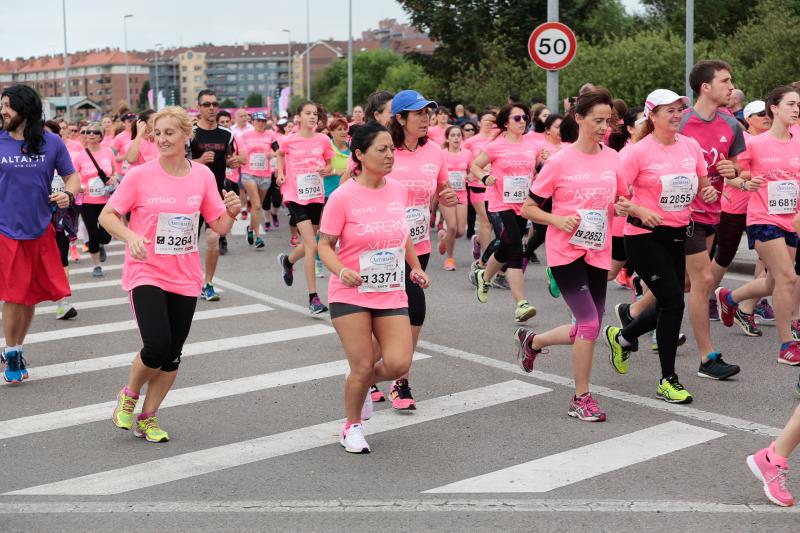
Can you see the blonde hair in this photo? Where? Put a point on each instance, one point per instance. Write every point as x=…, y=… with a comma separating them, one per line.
x=178, y=114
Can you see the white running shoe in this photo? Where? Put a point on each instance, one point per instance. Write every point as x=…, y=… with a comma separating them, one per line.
x=353, y=440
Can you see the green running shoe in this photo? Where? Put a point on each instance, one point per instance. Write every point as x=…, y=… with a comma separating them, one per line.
x=670, y=390
x=482, y=288
x=524, y=311
x=552, y=285
x=150, y=430
x=123, y=412
x=619, y=354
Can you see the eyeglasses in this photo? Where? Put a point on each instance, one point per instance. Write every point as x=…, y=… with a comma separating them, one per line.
x=519, y=118
x=94, y=132
x=83, y=132
x=761, y=114
x=209, y=104
x=73, y=130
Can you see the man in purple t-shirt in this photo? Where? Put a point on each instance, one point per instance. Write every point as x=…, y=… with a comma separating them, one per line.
x=30, y=263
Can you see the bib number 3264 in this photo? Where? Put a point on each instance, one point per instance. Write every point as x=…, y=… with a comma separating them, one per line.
x=176, y=233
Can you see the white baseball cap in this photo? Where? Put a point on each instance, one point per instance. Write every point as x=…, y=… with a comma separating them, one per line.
x=662, y=97
x=756, y=106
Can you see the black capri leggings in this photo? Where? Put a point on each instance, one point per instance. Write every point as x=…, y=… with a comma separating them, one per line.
x=416, y=294
x=164, y=320
x=510, y=249
x=729, y=233
x=660, y=259
x=97, y=235
x=273, y=197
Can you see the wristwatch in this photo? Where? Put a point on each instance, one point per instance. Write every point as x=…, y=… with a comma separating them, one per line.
x=743, y=185
x=70, y=196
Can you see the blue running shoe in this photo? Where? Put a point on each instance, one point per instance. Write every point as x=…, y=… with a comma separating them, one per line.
x=286, y=269
x=23, y=366
x=209, y=294
x=12, y=373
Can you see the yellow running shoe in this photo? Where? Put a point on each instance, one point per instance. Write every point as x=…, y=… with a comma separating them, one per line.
x=670, y=390
x=123, y=412
x=524, y=311
x=150, y=430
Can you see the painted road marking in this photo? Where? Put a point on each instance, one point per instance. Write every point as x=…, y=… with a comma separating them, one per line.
x=80, y=306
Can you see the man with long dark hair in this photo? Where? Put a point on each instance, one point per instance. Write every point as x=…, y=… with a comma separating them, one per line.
x=30, y=263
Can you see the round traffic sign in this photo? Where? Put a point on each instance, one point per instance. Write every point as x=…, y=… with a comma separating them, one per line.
x=552, y=45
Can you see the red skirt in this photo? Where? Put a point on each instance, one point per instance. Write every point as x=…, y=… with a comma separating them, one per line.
x=31, y=271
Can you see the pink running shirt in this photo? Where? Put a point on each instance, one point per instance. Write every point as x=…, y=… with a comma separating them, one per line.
x=475, y=144
x=119, y=148
x=304, y=158
x=256, y=147
x=457, y=170
x=372, y=230
x=94, y=190
x=664, y=179
x=587, y=185
x=436, y=134
x=513, y=165
x=165, y=209
x=778, y=163
x=148, y=150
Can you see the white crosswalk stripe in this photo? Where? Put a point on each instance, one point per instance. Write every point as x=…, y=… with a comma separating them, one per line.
x=91, y=304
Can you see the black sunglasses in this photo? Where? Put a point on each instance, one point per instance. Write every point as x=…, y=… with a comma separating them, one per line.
x=469, y=129
x=761, y=114
x=83, y=132
x=73, y=130
x=520, y=118
x=209, y=104
x=94, y=132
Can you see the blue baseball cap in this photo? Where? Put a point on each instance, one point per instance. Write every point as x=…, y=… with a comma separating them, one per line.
x=259, y=115
x=410, y=100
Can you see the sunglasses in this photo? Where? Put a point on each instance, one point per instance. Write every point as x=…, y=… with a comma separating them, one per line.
x=761, y=114
x=83, y=132
x=519, y=118
x=209, y=104
x=73, y=130
x=468, y=130
x=93, y=132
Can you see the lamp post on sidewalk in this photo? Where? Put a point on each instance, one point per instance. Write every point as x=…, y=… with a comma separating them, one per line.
x=127, y=66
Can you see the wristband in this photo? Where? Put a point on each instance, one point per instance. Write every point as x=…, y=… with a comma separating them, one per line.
x=342, y=271
x=743, y=185
x=483, y=179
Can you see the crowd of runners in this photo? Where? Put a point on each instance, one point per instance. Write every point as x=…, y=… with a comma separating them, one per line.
x=653, y=196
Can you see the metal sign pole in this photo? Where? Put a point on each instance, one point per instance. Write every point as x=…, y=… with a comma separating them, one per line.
x=552, y=75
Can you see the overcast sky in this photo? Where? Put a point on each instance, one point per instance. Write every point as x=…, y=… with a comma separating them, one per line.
x=36, y=29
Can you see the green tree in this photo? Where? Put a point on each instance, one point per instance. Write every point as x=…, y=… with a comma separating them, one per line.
x=407, y=75
x=227, y=103
x=254, y=100
x=143, y=102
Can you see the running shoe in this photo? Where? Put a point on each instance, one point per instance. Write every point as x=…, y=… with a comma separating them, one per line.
x=250, y=236
x=103, y=254
x=584, y=407
x=287, y=268
x=772, y=472
x=713, y=312
x=244, y=214
x=223, y=245
x=552, y=286
x=97, y=272
x=796, y=329
x=450, y=264
x=618, y=355
x=533, y=258
x=791, y=354
x=482, y=286
x=12, y=373
x=764, y=311
x=623, y=280
x=259, y=243
x=209, y=294
x=623, y=314
x=276, y=222
x=319, y=269
x=123, y=417
x=352, y=439
x=74, y=254
x=315, y=306
x=670, y=390
x=716, y=368
x=400, y=393
x=23, y=366
x=267, y=227
x=524, y=311
x=442, y=244
x=727, y=310
x=472, y=274
x=294, y=241
x=526, y=353
x=654, y=343
x=476, y=248
x=376, y=394
x=150, y=430
x=65, y=311
x=500, y=281
x=747, y=323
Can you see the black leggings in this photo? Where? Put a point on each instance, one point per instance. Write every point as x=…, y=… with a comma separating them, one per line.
x=729, y=233
x=273, y=197
x=539, y=231
x=416, y=294
x=510, y=250
x=583, y=288
x=659, y=258
x=164, y=320
x=97, y=234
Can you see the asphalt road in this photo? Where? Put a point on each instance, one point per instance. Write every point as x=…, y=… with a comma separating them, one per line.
x=255, y=410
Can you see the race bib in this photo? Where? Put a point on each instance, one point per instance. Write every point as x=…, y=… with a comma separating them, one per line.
x=176, y=234
x=782, y=197
x=258, y=162
x=96, y=187
x=57, y=185
x=677, y=191
x=419, y=219
x=309, y=187
x=382, y=270
x=457, y=180
x=514, y=189
x=591, y=232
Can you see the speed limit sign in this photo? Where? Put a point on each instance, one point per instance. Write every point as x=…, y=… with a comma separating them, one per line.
x=552, y=45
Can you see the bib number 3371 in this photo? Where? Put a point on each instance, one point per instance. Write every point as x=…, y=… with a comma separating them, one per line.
x=382, y=270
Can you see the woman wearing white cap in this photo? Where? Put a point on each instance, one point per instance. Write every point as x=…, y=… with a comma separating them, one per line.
x=665, y=170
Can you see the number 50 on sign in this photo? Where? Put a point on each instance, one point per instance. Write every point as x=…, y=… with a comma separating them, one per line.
x=552, y=45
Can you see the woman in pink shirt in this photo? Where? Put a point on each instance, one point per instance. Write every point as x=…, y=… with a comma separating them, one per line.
x=142, y=148
x=367, y=296
x=108, y=132
x=513, y=162
x=256, y=148
x=162, y=273
x=774, y=157
x=128, y=120
x=96, y=186
x=584, y=181
x=436, y=133
x=303, y=159
x=475, y=187
x=664, y=170
x=455, y=218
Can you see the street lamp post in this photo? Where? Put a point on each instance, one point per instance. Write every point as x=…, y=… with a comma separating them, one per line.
x=308, y=50
x=127, y=67
x=350, y=57
x=289, y=59
x=66, y=59
x=155, y=99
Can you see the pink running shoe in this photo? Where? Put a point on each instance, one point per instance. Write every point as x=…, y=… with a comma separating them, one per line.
x=772, y=471
x=726, y=310
x=442, y=244
x=526, y=354
x=376, y=394
x=584, y=407
x=401, y=396
x=476, y=248
x=790, y=355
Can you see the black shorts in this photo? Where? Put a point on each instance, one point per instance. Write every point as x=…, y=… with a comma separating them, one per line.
x=300, y=213
x=696, y=235
x=618, y=249
x=338, y=309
